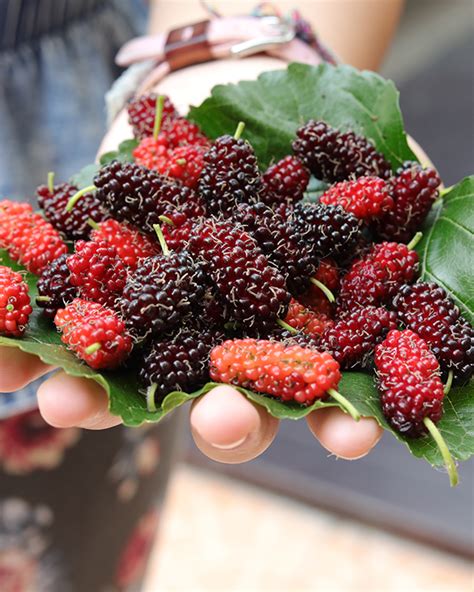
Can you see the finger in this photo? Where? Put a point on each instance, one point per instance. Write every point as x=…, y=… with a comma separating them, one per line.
x=228, y=428
x=17, y=369
x=65, y=401
x=343, y=436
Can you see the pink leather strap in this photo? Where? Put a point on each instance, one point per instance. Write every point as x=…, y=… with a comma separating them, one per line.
x=188, y=45
x=215, y=39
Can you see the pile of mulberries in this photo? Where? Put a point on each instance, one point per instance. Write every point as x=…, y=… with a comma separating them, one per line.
x=191, y=264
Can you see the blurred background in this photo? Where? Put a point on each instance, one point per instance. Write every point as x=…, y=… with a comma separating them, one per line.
x=297, y=519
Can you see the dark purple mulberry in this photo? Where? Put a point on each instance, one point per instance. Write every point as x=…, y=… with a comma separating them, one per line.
x=414, y=190
x=180, y=363
x=54, y=287
x=230, y=175
x=256, y=291
x=278, y=242
x=332, y=155
x=426, y=309
x=351, y=340
x=135, y=194
x=328, y=231
x=284, y=182
x=72, y=225
x=409, y=382
x=160, y=293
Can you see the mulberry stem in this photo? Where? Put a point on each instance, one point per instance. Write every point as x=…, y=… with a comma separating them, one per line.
x=414, y=241
x=51, y=182
x=166, y=220
x=449, y=382
x=150, y=398
x=239, y=131
x=443, y=448
x=160, y=101
x=287, y=327
x=327, y=292
x=43, y=298
x=446, y=190
x=161, y=238
x=93, y=224
x=442, y=193
x=77, y=196
x=95, y=347
x=346, y=405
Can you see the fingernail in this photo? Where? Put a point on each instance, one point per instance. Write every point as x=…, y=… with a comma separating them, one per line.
x=230, y=446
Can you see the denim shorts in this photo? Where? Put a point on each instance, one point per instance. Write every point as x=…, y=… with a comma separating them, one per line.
x=56, y=64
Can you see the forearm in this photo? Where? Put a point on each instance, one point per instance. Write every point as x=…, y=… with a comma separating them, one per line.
x=191, y=85
x=358, y=31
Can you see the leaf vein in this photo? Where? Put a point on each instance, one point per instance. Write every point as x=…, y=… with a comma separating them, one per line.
x=457, y=224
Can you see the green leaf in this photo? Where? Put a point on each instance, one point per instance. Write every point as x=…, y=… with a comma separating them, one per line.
x=278, y=102
x=85, y=177
x=446, y=250
x=42, y=340
x=456, y=426
x=123, y=154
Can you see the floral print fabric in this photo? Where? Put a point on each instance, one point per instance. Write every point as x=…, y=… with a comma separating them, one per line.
x=28, y=561
x=28, y=443
x=79, y=510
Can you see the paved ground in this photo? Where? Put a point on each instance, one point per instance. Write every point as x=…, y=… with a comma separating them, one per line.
x=221, y=536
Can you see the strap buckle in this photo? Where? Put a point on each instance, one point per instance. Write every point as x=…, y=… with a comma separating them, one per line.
x=275, y=31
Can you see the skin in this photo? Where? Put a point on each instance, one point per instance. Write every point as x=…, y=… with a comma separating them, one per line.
x=225, y=426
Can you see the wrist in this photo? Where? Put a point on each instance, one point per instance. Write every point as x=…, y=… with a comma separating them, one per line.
x=191, y=85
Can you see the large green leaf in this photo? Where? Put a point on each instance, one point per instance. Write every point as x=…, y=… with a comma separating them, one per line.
x=277, y=103
x=446, y=250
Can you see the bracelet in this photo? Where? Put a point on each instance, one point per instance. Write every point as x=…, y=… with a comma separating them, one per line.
x=150, y=58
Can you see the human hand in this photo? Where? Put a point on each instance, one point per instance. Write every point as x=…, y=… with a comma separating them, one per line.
x=225, y=425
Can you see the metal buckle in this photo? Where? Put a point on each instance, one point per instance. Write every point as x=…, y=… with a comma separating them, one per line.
x=280, y=31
